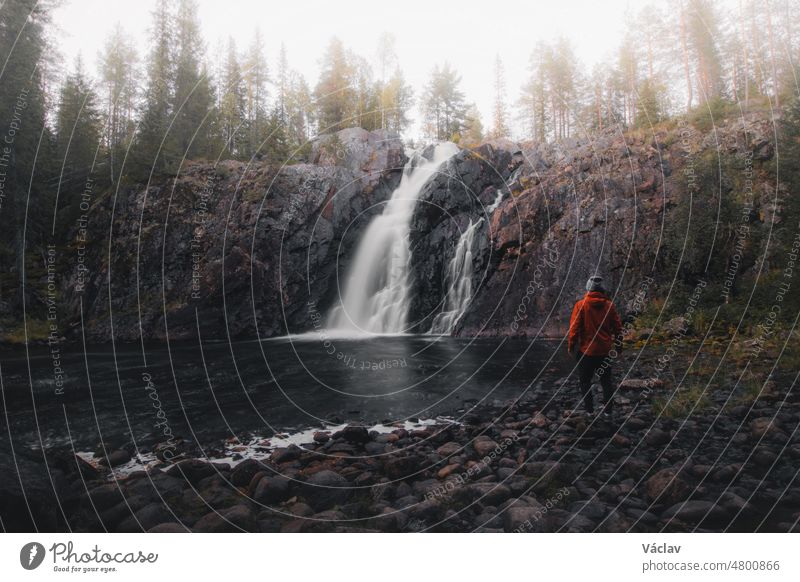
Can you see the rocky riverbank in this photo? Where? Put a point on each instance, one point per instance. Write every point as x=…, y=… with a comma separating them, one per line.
x=528, y=465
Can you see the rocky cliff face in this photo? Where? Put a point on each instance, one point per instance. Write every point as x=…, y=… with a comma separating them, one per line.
x=462, y=192
x=569, y=210
x=232, y=247
x=235, y=248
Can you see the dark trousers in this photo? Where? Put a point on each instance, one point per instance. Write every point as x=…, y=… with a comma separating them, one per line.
x=587, y=366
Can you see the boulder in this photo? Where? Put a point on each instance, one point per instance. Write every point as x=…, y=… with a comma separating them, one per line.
x=233, y=519
x=449, y=449
x=271, y=490
x=667, y=486
x=192, y=470
x=353, y=434
x=286, y=454
x=524, y=519
x=326, y=489
x=483, y=445
x=116, y=458
x=147, y=517
x=695, y=512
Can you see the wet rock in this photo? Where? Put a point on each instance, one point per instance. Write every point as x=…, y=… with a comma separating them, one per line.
x=539, y=420
x=157, y=482
x=485, y=493
x=244, y=472
x=271, y=490
x=667, y=486
x=353, y=434
x=449, y=449
x=72, y=464
x=105, y=496
x=523, y=519
x=401, y=467
x=193, y=470
x=594, y=510
x=445, y=472
x=326, y=489
x=484, y=445
x=735, y=504
x=168, y=527
x=549, y=475
x=111, y=518
x=428, y=510
x=116, y=458
x=300, y=509
x=285, y=455
x=146, y=518
x=234, y=519
x=642, y=515
x=578, y=523
x=760, y=427
x=374, y=448
x=695, y=512
x=656, y=437
x=615, y=521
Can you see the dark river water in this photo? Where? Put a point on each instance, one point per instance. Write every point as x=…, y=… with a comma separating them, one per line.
x=122, y=394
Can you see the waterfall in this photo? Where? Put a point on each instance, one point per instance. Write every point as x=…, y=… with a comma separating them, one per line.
x=459, y=283
x=377, y=290
x=498, y=199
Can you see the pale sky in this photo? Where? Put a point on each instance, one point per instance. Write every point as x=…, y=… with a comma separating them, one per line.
x=467, y=34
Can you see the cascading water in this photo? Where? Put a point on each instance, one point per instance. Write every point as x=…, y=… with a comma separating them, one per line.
x=377, y=291
x=459, y=283
x=498, y=199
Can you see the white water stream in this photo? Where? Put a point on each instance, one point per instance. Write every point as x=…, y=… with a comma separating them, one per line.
x=458, y=281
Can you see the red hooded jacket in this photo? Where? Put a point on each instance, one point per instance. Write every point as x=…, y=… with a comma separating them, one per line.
x=594, y=325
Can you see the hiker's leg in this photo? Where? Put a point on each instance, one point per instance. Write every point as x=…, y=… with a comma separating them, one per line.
x=607, y=382
x=585, y=375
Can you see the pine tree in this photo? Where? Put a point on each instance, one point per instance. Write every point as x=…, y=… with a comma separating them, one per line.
x=443, y=106
x=500, y=120
x=256, y=95
x=282, y=83
x=193, y=97
x=703, y=30
x=232, y=105
x=26, y=209
x=562, y=73
x=597, y=116
x=299, y=115
x=398, y=97
x=629, y=77
x=533, y=100
x=153, y=152
x=387, y=61
x=648, y=110
x=365, y=109
x=335, y=93
x=472, y=130
x=118, y=92
x=77, y=134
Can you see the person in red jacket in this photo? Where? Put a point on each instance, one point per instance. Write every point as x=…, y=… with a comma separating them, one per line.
x=594, y=328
